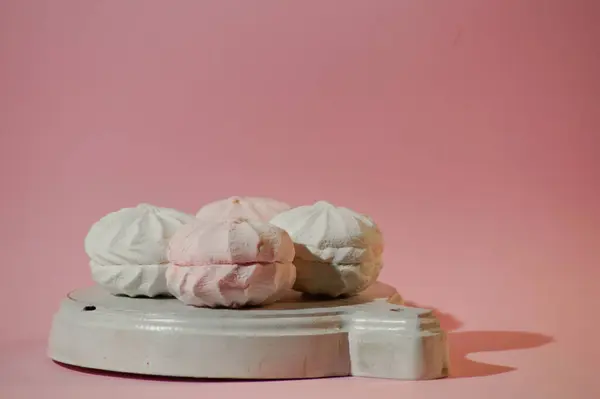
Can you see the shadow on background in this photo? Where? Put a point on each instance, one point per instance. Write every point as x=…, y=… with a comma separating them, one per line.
x=464, y=343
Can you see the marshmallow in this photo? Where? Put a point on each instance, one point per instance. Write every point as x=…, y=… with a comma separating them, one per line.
x=230, y=263
x=338, y=250
x=230, y=285
x=127, y=249
x=246, y=207
x=335, y=280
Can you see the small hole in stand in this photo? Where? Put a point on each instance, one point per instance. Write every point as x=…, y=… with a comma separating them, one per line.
x=397, y=310
x=89, y=308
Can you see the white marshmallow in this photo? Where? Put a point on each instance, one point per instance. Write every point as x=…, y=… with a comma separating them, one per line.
x=127, y=249
x=338, y=250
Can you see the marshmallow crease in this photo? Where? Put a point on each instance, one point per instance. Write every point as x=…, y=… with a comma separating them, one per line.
x=230, y=263
x=230, y=285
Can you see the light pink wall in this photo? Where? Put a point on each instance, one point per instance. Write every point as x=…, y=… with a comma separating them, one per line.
x=469, y=129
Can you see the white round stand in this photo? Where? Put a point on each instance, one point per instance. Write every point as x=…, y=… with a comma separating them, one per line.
x=370, y=335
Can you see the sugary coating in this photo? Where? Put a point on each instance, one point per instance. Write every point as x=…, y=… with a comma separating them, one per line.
x=127, y=249
x=131, y=280
x=230, y=263
x=230, y=286
x=326, y=233
x=338, y=250
x=334, y=280
x=231, y=241
x=259, y=208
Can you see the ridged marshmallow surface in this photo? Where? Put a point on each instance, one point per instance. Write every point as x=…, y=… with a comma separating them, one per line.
x=259, y=208
x=230, y=286
x=327, y=233
x=232, y=241
x=127, y=249
x=230, y=263
x=338, y=250
x=334, y=280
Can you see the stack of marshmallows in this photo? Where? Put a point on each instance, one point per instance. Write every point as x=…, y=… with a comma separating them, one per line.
x=240, y=251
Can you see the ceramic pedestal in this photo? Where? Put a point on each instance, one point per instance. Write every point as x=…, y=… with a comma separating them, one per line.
x=369, y=335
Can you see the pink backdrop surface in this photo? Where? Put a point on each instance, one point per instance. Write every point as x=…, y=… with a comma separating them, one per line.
x=470, y=130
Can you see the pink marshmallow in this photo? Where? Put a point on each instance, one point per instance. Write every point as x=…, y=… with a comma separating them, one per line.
x=230, y=263
x=230, y=286
x=247, y=207
x=232, y=241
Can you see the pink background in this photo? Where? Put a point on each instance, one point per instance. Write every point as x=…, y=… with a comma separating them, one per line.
x=469, y=129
